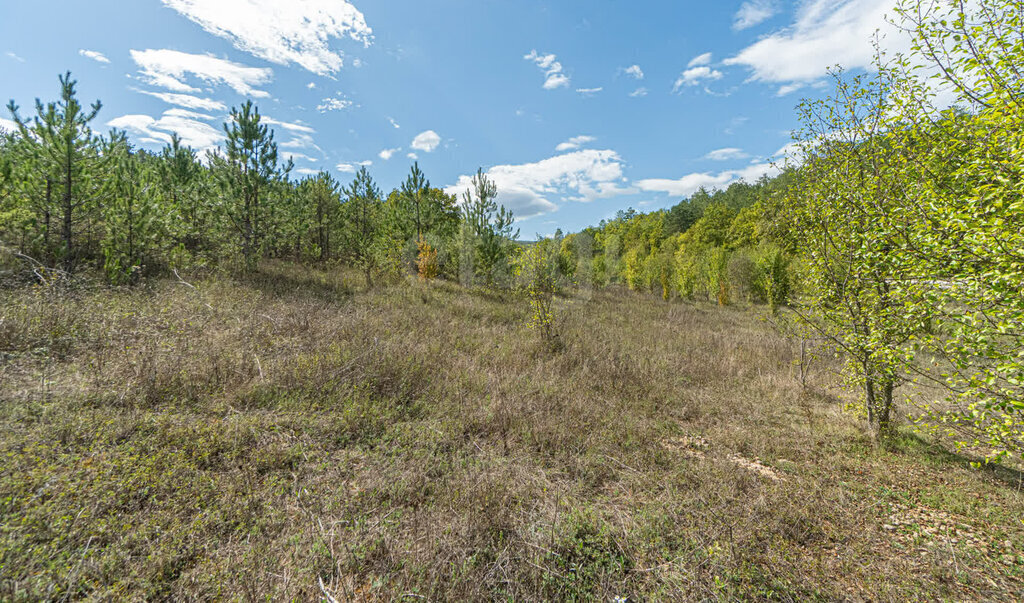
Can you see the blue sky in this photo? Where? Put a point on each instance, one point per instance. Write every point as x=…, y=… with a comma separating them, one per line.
x=576, y=108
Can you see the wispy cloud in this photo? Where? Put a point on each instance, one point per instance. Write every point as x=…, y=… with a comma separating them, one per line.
x=554, y=76
x=754, y=12
x=641, y=91
x=187, y=100
x=387, y=154
x=574, y=143
x=700, y=59
x=10, y=54
x=335, y=103
x=350, y=167
x=726, y=154
x=696, y=75
x=634, y=71
x=169, y=68
x=190, y=126
x=291, y=126
x=825, y=33
x=297, y=31
x=94, y=55
x=589, y=91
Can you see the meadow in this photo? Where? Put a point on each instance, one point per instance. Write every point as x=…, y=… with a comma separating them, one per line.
x=291, y=435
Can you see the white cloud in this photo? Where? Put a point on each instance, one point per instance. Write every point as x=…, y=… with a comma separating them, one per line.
x=726, y=154
x=690, y=183
x=187, y=114
x=555, y=78
x=754, y=12
x=696, y=75
x=168, y=68
x=825, y=33
x=311, y=86
x=333, y=104
x=589, y=91
x=386, y=154
x=700, y=59
x=193, y=132
x=187, y=100
x=290, y=126
x=578, y=176
x=300, y=140
x=92, y=54
x=11, y=54
x=634, y=71
x=306, y=171
x=412, y=156
x=641, y=91
x=8, y=125
x=394, y=123
x=788, y=89
x=426, y=141
x=297, y=157
x=574, y=143
x=301, y=134
x=350, y=167
x=297, y=31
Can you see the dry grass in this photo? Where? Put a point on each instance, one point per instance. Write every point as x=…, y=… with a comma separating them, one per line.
x=254, y=438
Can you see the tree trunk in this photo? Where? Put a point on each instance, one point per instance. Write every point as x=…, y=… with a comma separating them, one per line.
x=869, y=393
x=69, y=249
x=885, y=408
x=46, y=217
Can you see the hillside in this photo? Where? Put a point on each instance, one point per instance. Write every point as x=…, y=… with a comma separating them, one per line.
x=290, y=435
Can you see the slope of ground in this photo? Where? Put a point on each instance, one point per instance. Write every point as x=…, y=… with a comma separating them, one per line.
x=291, y=436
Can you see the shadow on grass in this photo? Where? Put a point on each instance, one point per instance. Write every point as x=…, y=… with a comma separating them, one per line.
x=914, y=445
x=315, y=284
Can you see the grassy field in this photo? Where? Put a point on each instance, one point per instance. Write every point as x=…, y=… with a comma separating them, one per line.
x=291, y=436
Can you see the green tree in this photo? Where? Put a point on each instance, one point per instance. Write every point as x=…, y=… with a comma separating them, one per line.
x=130, y=214
x=62, y=145
x=321, y=194
x=851, y=182
x=491, y=225
x=537, y=278
x=413, y=194
x=962, y=228
x=363, y=212
x=180, y=180
x=248, y=170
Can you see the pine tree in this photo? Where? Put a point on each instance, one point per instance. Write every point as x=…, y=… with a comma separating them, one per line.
x=248, y=170
x=180, y=174
x=491, y=224
x=321, y=194
x=413, y=192
x=67, y=153
x=131, y=214
x=362, y=210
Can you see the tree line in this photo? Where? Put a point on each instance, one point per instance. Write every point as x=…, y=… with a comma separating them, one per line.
x=71, y=198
